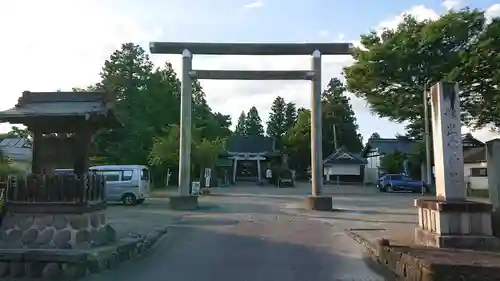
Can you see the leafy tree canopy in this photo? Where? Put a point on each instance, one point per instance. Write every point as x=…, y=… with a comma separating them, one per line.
x=393, y=70
x=338, y=113
x=253, y=123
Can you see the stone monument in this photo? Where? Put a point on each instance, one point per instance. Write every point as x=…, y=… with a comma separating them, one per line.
x=449, y=220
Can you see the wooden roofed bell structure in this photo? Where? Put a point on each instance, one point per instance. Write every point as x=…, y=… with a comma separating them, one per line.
x=62, y=125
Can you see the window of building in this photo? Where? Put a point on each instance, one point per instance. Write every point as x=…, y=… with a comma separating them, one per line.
x=478, y=172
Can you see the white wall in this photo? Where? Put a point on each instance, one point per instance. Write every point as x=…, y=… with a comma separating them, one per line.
x=372, y=167
x=339, y=170
x=475, y=182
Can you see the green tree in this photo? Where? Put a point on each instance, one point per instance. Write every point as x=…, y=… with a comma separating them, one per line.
x=338, y=112
x=276, y=125
x=375, y=136
x=298, y=142
x=392, y=163
x=291, y=116
x=16, y=132
x=165, y=149
x=240, y=129
x=393, y=69
x=128, y=74
x=206, y=152
x=253, y=123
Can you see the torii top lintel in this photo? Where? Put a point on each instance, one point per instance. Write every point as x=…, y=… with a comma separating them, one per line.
x=251, y=48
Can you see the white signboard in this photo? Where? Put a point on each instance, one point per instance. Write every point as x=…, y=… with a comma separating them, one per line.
x=195, y=188
x=208, y=173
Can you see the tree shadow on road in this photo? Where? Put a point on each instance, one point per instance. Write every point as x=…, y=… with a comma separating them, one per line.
x=199, y=253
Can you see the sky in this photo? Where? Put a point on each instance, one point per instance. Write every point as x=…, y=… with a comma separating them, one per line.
x=59, y=44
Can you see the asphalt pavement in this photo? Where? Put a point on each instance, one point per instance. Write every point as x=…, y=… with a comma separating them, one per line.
x=242, y=237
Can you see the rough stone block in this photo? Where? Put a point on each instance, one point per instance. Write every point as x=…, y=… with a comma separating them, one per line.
x=52, y=271
x=100, y=259
x=183, y=203
x=13, y=235
x=44, y=221
x=25, y=222
x=45, y=236
x=62, y=239
x=94, y=220
x=34, y=269
x=80, y=221
x=72, y=271
x=126, y=247
x=30, y=236
x=60, y=222
x=16, y=269
x=318, y=203
x=9, y=221
x=4, y=269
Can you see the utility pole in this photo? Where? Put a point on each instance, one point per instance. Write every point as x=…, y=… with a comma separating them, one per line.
x=334, y=137
x=428, y=160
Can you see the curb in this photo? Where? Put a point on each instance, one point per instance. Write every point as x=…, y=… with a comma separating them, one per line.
x=413, y=267
x=372, y=250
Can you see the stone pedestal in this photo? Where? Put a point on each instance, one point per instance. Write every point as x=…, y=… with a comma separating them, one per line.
x=318, y=203
x=183, y=203
x=460, y=224
x=55, y=231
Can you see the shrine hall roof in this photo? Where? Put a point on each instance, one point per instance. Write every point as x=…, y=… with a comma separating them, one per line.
x=60, y=104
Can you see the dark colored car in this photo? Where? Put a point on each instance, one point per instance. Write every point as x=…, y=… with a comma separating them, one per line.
x=286, y=178
x=397, y=182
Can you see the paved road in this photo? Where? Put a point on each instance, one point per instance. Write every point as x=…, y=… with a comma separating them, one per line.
x=241, y=237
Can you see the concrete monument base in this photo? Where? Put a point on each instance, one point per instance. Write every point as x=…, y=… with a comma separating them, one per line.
x=456, y=224
x=318, y=203
x=183, y=203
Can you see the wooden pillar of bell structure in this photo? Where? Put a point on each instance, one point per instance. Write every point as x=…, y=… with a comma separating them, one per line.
x=449, y=220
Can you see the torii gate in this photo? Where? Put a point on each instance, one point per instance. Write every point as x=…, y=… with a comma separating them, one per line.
x=316, y=201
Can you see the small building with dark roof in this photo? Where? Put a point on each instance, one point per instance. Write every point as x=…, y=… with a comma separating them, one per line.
x=474, y=157
x=247, y=158
x=475, y=164
x=376, y=148
x=344, y=166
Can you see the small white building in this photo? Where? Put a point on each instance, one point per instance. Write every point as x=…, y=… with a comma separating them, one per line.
x=343, y=166
x=475, y=165
x=19, y=150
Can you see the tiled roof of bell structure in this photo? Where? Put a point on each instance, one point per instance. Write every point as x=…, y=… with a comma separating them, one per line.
x=61, y=104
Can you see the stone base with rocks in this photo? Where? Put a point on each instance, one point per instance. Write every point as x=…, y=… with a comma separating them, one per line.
x=417, y=263
x=71, y=264
x=55, y=231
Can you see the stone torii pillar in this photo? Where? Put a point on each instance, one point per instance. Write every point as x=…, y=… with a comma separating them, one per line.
x=449, y=220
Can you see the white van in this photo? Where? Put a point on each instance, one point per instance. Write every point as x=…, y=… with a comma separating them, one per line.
x=125, y=183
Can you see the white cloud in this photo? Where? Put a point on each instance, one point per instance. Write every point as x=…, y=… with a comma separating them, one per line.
x=56, y=45
x=493, y=11
x=256, y=4
x=420, y=12
x=452, y=4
